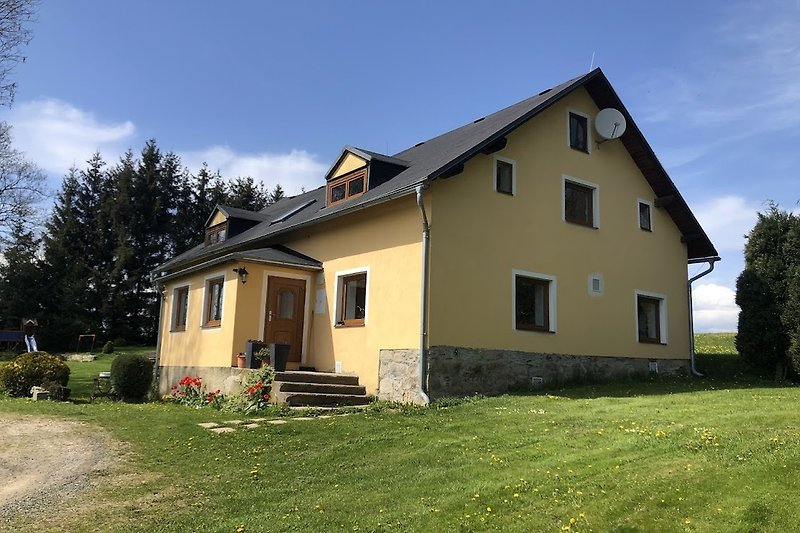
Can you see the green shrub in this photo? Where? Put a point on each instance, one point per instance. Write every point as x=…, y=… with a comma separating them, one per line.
x=255, y=392
x=131, y=376
x=108, y=347
x=32, y=369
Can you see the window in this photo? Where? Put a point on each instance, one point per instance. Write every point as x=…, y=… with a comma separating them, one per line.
x=504, y=176
x=347, y=186
x=216, y=234
x=533, y=301
x=213, y=307
x=651, y=321
x=596, y=285
x=645, y=222
x=180, y=305
x=579, y=132
x=581, y=202
x=351, y=305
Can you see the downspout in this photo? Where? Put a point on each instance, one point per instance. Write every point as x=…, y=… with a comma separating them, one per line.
x=161, y=288
x=711, y=261
x=423, y=326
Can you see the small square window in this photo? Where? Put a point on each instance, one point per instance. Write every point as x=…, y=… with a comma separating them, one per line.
x=352, y=309
x=644, y=217
x=213, y=309
x=180, y=303
x=578, y=132
x=504, y=176
x=532, y=302
x=579, y=204
x=649, y=317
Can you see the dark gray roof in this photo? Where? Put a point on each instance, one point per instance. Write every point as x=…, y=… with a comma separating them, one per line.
x=432, y=158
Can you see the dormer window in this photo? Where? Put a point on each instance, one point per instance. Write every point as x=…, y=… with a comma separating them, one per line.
x=216, y=234
x=348, y=186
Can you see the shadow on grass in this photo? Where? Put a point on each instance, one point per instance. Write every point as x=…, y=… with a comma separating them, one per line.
x=720, y=372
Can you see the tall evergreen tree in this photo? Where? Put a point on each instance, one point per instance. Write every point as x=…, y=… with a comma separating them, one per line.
x=245, y=193
x=276, y=194
x=21, y=292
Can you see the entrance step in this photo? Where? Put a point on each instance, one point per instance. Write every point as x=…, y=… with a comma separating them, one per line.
x=318, y=389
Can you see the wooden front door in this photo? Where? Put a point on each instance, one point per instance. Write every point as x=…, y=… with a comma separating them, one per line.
x=286, y=299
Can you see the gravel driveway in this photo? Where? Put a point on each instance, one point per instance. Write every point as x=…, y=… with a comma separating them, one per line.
x=46, y=460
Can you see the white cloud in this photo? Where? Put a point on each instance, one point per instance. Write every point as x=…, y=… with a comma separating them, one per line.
x=726, y=220
x=294, y=171
x=57, y=135
x=714, y=308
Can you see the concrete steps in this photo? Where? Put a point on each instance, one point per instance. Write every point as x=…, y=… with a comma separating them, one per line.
x=318, y=389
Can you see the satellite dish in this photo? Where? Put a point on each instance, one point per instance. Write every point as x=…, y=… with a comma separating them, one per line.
x=609, y=123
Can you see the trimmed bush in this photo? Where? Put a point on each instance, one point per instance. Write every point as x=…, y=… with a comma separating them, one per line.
x=131, y=376
x=32, y=370
x=108, y=347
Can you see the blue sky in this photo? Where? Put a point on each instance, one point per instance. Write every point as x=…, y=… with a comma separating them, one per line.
x=275, y=89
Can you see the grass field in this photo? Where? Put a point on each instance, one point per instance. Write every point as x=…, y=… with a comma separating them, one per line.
x=713, y=454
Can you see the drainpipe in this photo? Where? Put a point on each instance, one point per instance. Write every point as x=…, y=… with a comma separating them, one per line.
x=711, y=261
x=423, y=326
x=161, y=288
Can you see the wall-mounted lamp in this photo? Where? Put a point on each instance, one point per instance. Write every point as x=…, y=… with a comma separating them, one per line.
x=242, y=271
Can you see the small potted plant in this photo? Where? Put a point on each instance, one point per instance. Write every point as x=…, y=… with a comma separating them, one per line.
x=262, y=355
x=241, y=360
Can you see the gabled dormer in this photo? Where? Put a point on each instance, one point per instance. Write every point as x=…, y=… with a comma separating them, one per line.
x=357, y=171
x=226, y=222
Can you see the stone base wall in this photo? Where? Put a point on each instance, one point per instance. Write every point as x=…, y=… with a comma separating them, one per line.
x=458, y=371
x=398, y=376
x=226, y=379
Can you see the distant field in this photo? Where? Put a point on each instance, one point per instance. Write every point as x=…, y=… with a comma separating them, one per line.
x=715, y=343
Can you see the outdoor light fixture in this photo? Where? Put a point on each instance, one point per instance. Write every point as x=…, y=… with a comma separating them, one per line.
x=242, y=271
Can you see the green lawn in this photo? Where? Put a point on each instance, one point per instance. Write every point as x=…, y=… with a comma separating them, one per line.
x=717, y=454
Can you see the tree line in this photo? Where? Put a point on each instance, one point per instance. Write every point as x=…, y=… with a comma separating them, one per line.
x=88, y=269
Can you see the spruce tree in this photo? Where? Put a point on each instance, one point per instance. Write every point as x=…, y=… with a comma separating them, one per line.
x=21, y=291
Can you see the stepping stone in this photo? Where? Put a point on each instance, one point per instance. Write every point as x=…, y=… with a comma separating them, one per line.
x=233, y=422
x=325, y=416
x=258, y=420
x=222, y=430
x=208, y=425
x=251, y=426
x=276, y=422
x=303, y=418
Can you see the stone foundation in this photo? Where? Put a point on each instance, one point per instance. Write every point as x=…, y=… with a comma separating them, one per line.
x=458, y=371
x=398, y=376
x=227, y=379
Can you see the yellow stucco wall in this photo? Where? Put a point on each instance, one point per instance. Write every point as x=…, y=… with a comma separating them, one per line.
x=219, y=218
x=349, y=163
x=198, y=345
x=386, y=241
x=479, y=236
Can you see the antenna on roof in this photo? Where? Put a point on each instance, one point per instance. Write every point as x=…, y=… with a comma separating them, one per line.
x=591, y=65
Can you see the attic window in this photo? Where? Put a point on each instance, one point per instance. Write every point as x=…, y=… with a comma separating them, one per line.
x=579, y=132
x=216, y=234
x=348, y=186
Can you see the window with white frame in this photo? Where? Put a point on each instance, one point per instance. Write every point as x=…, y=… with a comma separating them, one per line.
x=180, y=308
x=212, y=312
x=645, y=213
x=351, y=298
x=505, y=175
x=533, y=301
x=580, y=202
x=651, y=317
x=578, y=131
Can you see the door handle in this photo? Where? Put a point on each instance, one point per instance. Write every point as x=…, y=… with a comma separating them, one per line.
x=269, y=319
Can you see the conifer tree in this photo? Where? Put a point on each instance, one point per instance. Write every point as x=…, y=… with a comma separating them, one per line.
x=21, y=292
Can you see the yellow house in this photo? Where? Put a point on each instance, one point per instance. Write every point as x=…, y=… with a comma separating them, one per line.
x=542, y=242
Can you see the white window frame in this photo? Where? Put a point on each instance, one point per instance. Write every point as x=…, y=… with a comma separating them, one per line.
x=551, y=302
x=337, y=307
x=219, y=274
x=588, y=131
x=662, y=311
x=513, y=174
x=174, y=320
x=638, y=221
x=596, y=276
x=595, y=198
